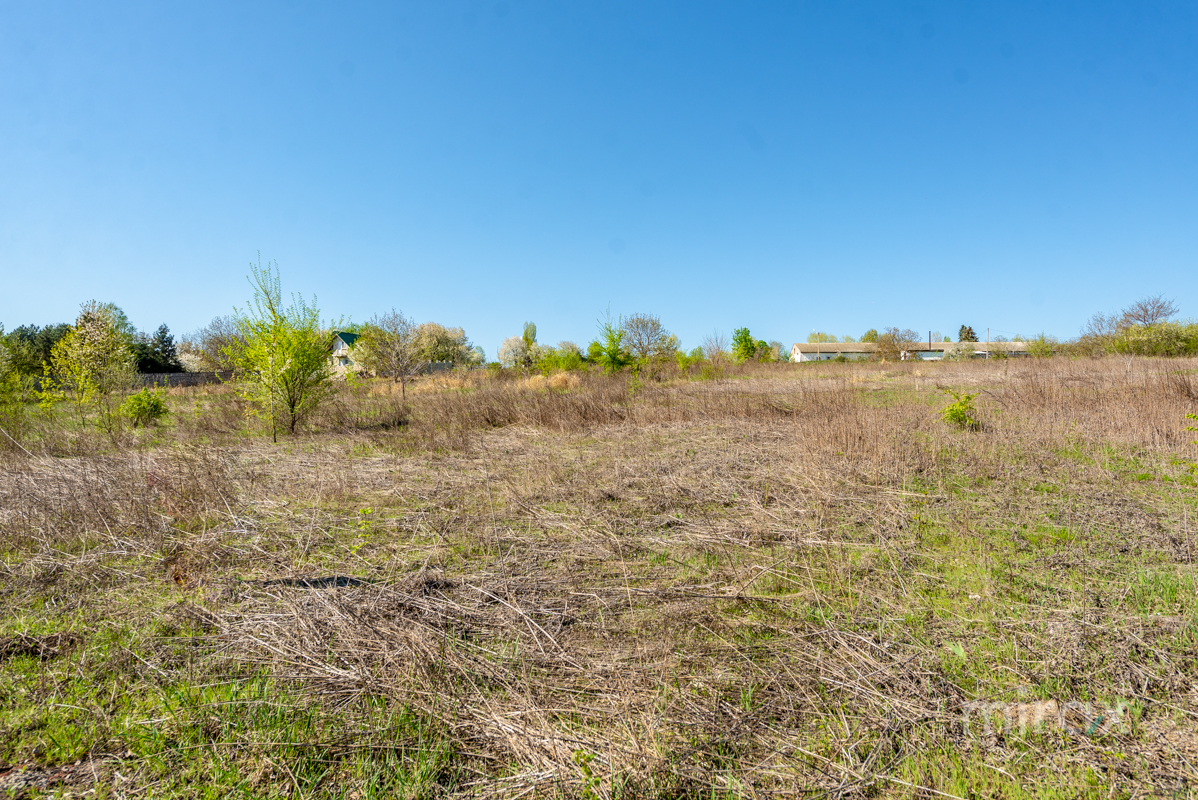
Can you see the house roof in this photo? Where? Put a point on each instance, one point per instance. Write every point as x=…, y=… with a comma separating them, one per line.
x=345, y=336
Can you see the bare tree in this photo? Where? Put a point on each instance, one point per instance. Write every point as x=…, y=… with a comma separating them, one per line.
x=216, y=345
x=715, y=346
x=1148, y=311
x=892, y=343
x=646, y=338
x=390, y=346
x=1101, y=326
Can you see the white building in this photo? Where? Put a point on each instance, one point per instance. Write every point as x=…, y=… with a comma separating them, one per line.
x=915, y=351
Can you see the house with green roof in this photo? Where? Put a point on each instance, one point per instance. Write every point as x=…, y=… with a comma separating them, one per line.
x=340, y=356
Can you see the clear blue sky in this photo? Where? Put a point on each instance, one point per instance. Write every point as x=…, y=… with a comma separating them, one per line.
x=782, y=166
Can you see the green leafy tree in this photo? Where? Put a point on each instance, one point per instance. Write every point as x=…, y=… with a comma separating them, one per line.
x=91, y=365
x=123, y=326
x=566, y=357
x=284, y=361
x=820, y=336
x=744, y=346
x=12, y=400
x=608, y=350
x=29, y=346
x=870, y=336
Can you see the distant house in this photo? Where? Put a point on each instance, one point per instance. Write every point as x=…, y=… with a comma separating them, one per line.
x=339, y=358
x=915, y=351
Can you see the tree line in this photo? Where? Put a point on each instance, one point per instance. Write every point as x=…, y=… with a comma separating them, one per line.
x=638, y=341
x=280, y=354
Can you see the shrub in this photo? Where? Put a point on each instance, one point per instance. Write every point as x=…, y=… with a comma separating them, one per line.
x=686, y=360
x=561, y=358
x=1043, y=346
x=1193, y=464
x=960, y=412
x=145, y=407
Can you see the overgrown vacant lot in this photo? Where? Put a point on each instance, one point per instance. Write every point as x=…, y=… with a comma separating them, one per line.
x=798, y=581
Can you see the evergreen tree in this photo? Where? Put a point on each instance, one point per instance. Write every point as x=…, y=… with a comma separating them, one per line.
x=157, y=353
x=966, y=334
x=29, y=346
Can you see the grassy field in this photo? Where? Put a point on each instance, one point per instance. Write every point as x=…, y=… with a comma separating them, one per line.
x=791, y=580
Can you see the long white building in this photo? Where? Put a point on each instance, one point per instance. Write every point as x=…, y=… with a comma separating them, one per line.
x=917, y=351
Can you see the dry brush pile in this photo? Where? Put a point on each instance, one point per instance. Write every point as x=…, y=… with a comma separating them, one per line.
x=798, y=581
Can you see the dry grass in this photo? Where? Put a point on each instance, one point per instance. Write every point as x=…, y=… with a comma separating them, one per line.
x=794, y=580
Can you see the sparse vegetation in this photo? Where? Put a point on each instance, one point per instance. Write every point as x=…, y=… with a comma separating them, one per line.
x=629, y=572
x=799, y=579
